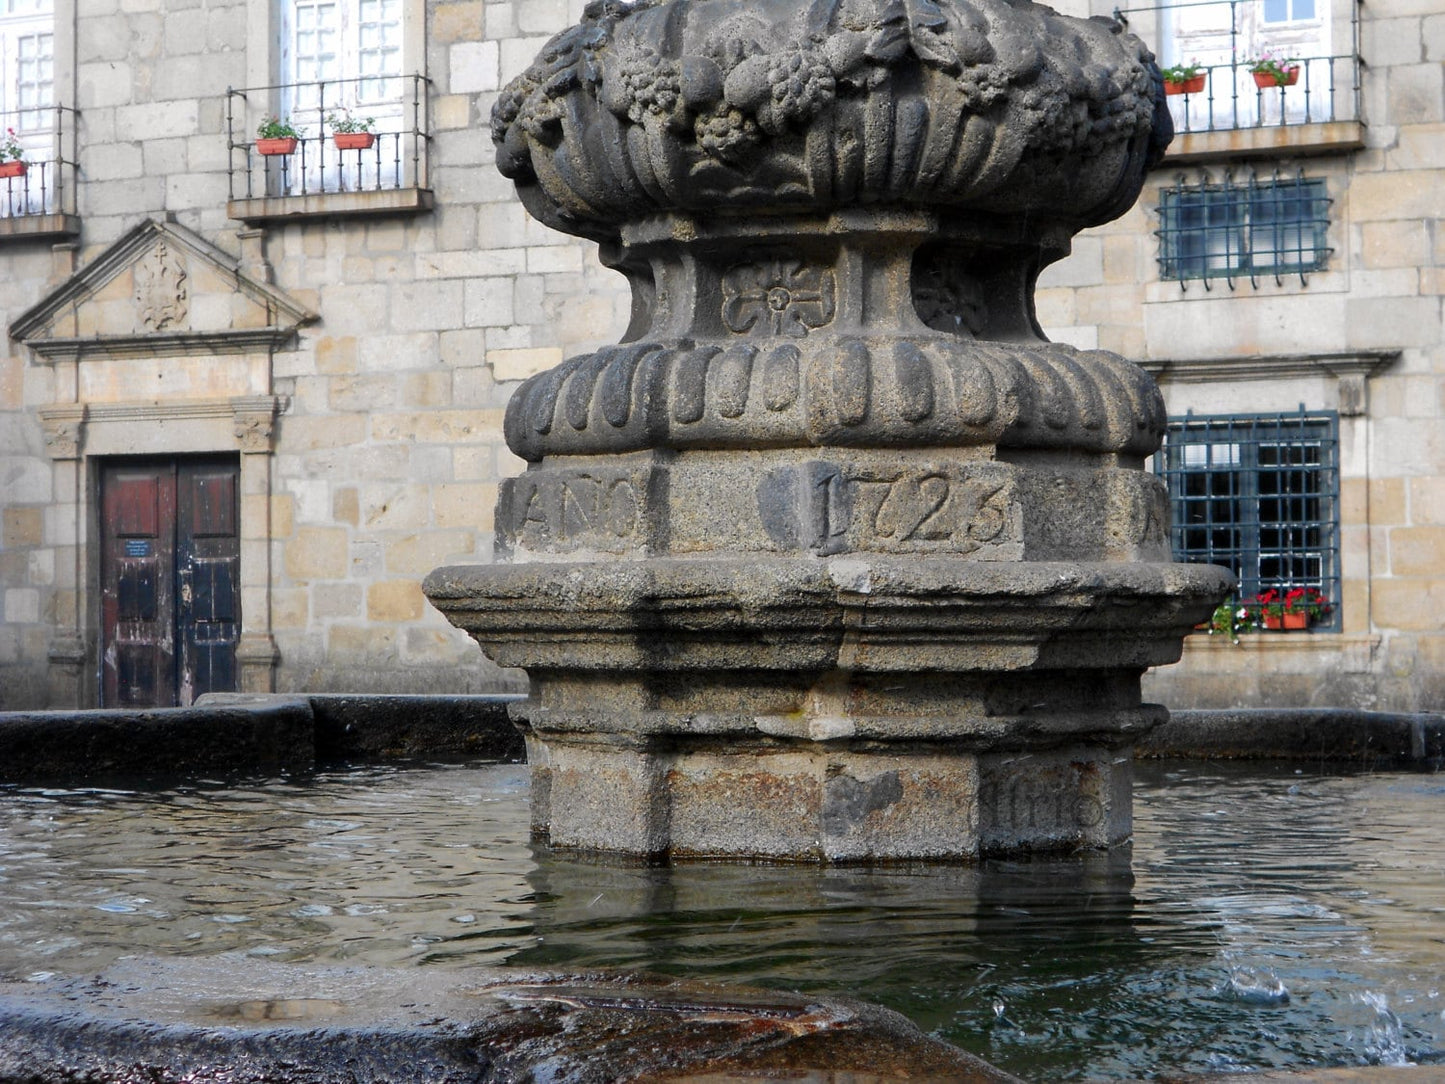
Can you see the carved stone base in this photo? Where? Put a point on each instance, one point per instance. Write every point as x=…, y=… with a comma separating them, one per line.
x=833, y=801
x=867, y=707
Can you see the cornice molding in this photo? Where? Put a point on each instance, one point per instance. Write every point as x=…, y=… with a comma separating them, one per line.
x=1363, y=363
x=162, y=344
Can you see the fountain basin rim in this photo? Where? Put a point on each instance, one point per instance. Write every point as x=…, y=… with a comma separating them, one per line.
x=147, y=1019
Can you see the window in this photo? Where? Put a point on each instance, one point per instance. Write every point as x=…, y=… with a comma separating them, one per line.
x=1231, y=230
x=27, y=98
x=1288, y=11
x=1258, y=494
x=27, y=59
x=343, y=57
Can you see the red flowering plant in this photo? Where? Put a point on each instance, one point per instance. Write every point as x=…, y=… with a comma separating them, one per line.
x=1269, y=608
x=1267, y=605
x=1306, y=600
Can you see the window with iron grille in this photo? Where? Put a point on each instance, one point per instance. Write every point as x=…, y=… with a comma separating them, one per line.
x=1258, y=494
x=1231, y=229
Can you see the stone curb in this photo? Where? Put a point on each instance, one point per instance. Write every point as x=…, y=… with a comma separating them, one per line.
x=71, y=746
x=1370, y=739
x=237, y=732
x=367, y=726
x=152, y=1021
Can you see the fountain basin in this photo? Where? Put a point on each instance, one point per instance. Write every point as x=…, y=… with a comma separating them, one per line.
x=1244, y=882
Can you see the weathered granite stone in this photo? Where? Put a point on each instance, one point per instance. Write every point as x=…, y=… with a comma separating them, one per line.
x=835, y=557
x=147, y=1021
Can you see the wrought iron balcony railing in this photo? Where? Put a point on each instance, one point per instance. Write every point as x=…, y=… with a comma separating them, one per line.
x=1325, y=90
x=1222, y=38
x=37, y=190
x=317, y=173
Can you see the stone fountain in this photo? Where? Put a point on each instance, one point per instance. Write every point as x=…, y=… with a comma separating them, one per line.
x=835, y=557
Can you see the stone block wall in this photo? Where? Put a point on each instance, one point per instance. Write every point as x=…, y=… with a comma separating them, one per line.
x=386, y=456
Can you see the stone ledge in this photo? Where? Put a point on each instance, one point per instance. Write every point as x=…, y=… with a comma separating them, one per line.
x=1266, y=141
x=859, y=612
x=255, y=1023
x=1369, y=739
x=38, y=227
x=1354, y=363
x=1351, y=654
x=72, y=746
x=394, y=201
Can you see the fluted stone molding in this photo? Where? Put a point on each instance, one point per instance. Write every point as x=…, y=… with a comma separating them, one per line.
x=835, y=557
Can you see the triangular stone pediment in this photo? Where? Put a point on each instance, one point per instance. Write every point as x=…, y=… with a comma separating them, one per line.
x=159, y=290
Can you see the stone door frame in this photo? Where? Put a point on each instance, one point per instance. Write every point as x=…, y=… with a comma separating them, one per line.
x=78, y=437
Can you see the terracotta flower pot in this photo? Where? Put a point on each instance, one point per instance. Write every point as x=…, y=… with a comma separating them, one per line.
x=1299, y=620
x=353, y=141
x=1268, y=81
x=1192, y=85
x=1273, y=621
x=280, y=145
x=14, y=168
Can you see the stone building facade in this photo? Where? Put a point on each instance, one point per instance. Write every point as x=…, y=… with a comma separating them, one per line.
x=1282, y=277
x=248, y=403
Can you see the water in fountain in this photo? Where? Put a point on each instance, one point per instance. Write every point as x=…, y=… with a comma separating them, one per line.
x=1265, y=917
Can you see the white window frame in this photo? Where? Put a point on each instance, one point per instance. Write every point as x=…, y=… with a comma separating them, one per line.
x=32, y=114
x=347, y=62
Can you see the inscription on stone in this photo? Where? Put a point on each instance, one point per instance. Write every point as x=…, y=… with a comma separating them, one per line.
x=594, y=508
x=910, y=509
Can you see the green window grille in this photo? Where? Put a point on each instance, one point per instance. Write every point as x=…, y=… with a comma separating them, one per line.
x=1248, y=229
x=1258, y=494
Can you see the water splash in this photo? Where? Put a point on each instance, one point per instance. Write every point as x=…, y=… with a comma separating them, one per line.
x=1384, y=1037
x=1255, y=986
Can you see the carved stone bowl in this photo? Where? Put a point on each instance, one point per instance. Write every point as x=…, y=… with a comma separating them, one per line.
x=720, y=106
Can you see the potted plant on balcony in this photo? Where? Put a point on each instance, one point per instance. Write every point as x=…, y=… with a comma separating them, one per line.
x=1266, y=609
x=1289, y=610
x=1230, y=619
x=12, y=156
x=1271, y=71
x=1184, y=78
x=351, y=133
x=276, y=135
x=1303, y=606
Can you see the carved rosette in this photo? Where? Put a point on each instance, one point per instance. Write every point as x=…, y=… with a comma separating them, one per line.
x=254, y=422
x=63, y=426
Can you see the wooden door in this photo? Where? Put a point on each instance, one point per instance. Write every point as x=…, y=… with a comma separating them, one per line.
x=170, y=563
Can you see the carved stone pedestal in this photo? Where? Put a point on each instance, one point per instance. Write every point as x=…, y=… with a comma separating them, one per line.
x=835, y=557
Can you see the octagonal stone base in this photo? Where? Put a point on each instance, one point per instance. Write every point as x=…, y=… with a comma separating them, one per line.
x=826, y=801
x=862, y=708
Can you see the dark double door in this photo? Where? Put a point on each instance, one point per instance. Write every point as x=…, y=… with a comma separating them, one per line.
x=170, y=579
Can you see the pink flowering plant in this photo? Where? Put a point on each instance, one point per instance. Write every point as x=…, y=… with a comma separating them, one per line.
x=1281, y=69
x=10, y=148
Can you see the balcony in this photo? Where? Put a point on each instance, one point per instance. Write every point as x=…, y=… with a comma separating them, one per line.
x=317, y=179
x=40, y=202
x=1232, y=115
